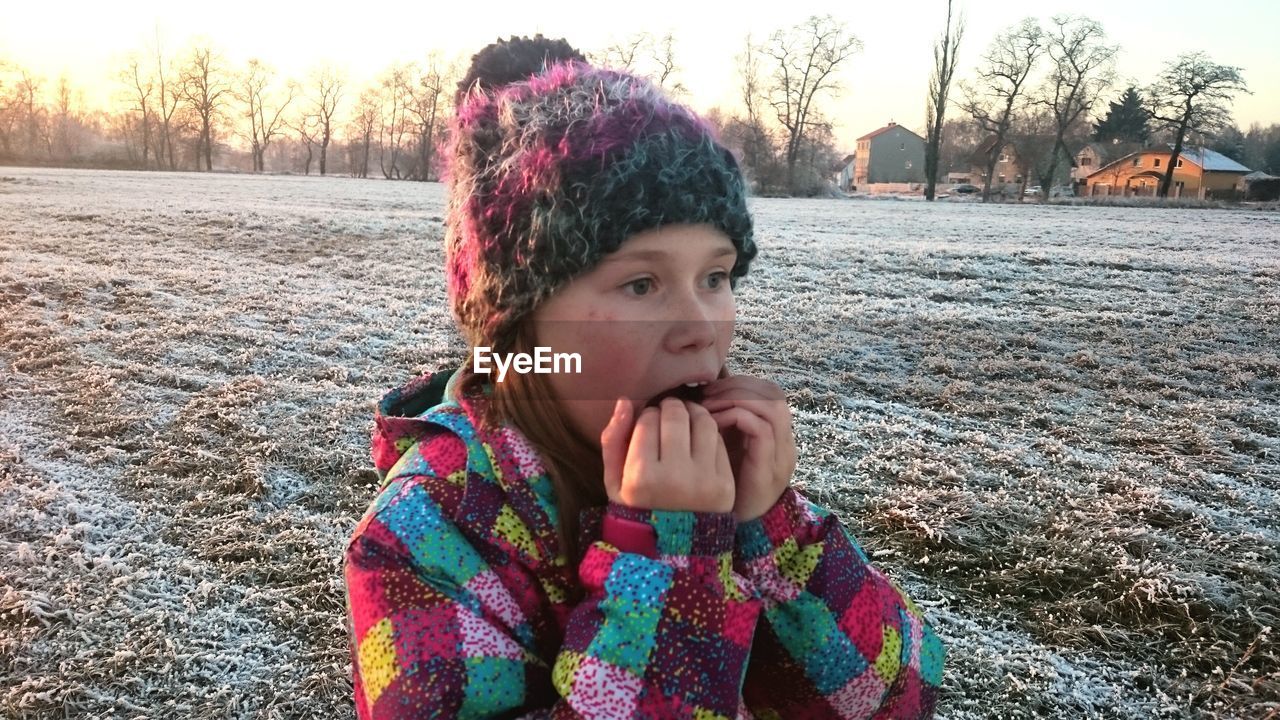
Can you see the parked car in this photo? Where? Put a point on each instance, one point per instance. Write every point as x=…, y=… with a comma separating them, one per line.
x=1033, y=190
x=966, y=189
x=1062, y=191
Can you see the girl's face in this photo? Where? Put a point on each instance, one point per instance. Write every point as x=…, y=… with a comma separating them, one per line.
x=655, y=315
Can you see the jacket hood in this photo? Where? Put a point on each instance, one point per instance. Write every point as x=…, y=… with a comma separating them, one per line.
x=398, y=421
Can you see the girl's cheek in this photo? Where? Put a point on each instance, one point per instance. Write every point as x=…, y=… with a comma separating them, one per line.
x=614, y=365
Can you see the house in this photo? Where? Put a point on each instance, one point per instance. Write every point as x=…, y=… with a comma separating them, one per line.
x=1200, y=173
x=892, y=154
x=1007, y=173
x=844, y=173
x=1088, y=159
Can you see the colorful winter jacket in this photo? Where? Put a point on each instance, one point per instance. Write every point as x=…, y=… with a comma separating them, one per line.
x=460, y=603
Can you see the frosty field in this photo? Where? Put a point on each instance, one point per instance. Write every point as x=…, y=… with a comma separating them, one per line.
x=1057, y=427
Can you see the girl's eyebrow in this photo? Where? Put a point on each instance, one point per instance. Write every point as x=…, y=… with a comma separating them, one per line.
x=656, y=255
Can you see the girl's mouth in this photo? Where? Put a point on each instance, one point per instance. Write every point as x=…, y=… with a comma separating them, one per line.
x=686, y=392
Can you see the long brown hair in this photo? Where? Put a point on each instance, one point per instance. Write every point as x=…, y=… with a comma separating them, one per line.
x=575, y=466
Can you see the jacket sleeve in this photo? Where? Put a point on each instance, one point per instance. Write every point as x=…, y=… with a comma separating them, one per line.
x=836, y=637
x=436, y=634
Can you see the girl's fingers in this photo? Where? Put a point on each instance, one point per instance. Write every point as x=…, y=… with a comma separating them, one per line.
x=760, y=445
x=703, y=432
x=674, y=431
x=739, y=394
x=726, y=401
x=644, y=439
x=776, y=412
x=744, y=382
x=723, y=465
x=751, y=425
x=613, y=445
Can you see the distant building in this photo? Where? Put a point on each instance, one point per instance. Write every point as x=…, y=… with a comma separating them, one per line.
x=1200, y=173
x=1006, y=174
x=892, y=154
x=844, y=173
x=1088, y=159
x=1261, y=186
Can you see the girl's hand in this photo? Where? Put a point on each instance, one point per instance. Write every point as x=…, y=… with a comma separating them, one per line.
x=673, y=459
x=756, y=419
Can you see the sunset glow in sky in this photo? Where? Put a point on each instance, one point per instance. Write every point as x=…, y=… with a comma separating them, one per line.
x=886, y=81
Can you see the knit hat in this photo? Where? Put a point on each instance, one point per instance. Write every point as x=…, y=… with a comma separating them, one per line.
x=548, y=175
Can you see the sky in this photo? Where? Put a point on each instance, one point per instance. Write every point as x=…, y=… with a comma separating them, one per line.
x=886, y=81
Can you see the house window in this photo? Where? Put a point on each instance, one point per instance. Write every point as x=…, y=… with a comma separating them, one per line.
x=1179, y=162
x=1002, y=178
x=1004, y=158
x=1086, y=161
x=902, y=146
x=1157, y=162
x=1137, y=162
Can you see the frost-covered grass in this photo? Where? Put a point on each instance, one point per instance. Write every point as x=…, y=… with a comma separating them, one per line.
x=1058, y=427
x=1164, y=203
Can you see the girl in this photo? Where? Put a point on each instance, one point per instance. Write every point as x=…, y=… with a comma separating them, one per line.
x=621, y=541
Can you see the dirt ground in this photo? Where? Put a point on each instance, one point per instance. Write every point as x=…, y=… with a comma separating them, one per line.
x=1057, y=427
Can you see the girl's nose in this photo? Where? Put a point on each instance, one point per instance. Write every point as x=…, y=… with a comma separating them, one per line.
x=692, y=324
x=691, y=335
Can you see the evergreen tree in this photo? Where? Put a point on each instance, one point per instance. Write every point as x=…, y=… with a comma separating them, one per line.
x=1271, y=159
x=1230, y=142
x=1126, y=121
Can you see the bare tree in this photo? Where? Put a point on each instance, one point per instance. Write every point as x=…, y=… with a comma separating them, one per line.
x=140, y=89
x=360, y=132
x=427, y=101
x=9, y=109
x=395, y=95
x=1002, y=83
x=818, y=155
x=168, y=96
x=206, y=92
x=806, y=57
x=624, y=54
x=307, y=127
x=1192, y=95
x=1081, y=67
x=326, y=93
x=64, y=134
x=1034, y=139
x=33, y=115
x=263, y=108
x=757, y=145
x=664, y=58
x=645, y=55
x=122, y=127
x=945, y=55
x=961, y=138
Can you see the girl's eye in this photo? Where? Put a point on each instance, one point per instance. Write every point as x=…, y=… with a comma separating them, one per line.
x=641, y=286
x=717, y=279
